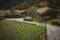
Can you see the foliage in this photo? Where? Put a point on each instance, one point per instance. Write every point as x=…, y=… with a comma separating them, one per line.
x=13, y=16
x=42, y=4
x=2, y=17
x=35, y=19
x=51, y=14
x=12, y=30
x=18, y=4
x=32, y=8
x=54, y=4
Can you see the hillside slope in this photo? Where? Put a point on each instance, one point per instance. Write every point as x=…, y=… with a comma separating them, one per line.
x=6, y=4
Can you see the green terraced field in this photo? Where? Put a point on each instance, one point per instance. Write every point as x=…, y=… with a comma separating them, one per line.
x=12, y=30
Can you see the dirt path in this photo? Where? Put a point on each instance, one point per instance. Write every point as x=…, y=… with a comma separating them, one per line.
x=53, y=32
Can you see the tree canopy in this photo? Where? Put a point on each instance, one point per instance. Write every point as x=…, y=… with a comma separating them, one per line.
x=54, y=4
x=6, y=4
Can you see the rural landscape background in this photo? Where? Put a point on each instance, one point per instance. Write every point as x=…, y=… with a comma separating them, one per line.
x=29, y=19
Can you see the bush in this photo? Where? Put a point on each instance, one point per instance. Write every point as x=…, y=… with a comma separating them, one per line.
x=28, y=19
x=2, y=17
x=54, y=4
x=13, y=16
x=51, y=13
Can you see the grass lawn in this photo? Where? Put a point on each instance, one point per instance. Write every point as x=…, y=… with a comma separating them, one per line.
x=12, y=30
x=35, y=20
x=48, y=22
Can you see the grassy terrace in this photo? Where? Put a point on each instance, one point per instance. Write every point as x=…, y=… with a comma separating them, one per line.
x=12, y=30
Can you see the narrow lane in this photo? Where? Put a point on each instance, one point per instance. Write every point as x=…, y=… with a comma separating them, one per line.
x=53, y=32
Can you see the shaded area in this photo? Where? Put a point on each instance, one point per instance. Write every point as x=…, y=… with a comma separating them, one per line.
x=54, y=4
x=6, y=4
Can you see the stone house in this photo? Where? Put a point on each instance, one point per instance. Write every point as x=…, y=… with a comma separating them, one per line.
x=39, y=13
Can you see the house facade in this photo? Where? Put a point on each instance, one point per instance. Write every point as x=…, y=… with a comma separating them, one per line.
x=39, y=13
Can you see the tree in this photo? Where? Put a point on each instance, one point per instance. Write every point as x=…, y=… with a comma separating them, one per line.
x=54, y=4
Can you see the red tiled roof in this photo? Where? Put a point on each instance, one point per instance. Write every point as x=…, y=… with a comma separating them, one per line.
x=42, y=10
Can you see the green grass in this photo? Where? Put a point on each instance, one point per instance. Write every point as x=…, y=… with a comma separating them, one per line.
x=12, y=30
x=35, y=19
x=48, y=22
x=57, y=19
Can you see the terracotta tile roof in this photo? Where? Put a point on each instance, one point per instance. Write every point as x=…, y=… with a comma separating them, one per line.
x=42, y=10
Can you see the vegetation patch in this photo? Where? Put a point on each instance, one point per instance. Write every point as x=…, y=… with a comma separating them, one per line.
x=12, y=30
x=35, y=20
